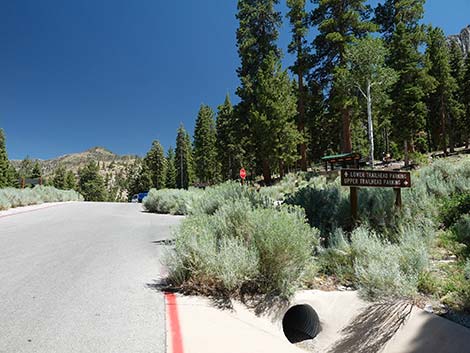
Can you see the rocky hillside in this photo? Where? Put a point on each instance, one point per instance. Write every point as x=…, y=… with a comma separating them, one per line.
x=112, y=167
x=74, y=161
x=463, y=39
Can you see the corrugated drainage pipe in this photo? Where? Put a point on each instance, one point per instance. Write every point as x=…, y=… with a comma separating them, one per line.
x=300, y=323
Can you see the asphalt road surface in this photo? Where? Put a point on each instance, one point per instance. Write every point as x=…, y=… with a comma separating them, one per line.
x=75, y=278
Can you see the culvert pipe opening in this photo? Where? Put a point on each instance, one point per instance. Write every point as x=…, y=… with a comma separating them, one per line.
x=300, y=323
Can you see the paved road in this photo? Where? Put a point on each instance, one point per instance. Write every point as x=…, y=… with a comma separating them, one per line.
x=73, y=278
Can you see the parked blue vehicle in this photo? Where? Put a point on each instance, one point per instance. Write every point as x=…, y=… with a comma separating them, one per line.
x=139, y=197
x=142, y=195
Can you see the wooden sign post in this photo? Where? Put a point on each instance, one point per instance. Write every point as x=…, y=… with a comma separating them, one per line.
x=29, y=181
x=356, y=178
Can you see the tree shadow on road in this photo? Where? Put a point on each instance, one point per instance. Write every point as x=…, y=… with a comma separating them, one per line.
x=370, y=331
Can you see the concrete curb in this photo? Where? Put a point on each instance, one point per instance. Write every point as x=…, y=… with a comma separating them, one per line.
x=348, y=325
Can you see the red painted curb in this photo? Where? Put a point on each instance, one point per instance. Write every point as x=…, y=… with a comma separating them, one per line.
x=28, y=211
x=175, y=331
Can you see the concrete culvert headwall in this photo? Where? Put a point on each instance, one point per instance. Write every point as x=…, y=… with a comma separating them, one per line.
x=300, y=323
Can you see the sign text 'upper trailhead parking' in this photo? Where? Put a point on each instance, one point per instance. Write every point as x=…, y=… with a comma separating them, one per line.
x=371, y=178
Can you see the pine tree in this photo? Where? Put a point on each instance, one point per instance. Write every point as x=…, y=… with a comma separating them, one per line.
x=26, y=168
x=171, y=171
x=156, y=164
x=91, y=184
x=298, y=17
x=12, y=176
x=205, y=149
x=138, y=178
x=58, y=180
x=339, y=22
x=441, y=99
x=274, y=121
x=227, y=140
x=183, y=159
x=457, y=124
x=399, y=23
x=260, y=113
x=70, y=181
x=466, y=101
x=4, y=162
x=36, y=173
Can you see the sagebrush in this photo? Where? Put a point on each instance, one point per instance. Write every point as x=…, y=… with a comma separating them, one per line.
x=11, y=197
x=241, y=247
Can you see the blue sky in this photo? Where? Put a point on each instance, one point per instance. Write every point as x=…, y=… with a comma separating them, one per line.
x=121, y=73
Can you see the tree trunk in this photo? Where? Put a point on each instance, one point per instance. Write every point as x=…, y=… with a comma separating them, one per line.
x=301, y=124
x=281, y=169
x=407, y=156
x=346, y=123
x=266, y=172
x=443, y=127
x=370, y=126
x=451, y=134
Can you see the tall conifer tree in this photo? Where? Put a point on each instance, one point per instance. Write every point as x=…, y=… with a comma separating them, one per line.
x=466, y=101
x=227, y=141
x=36, y=172
x=399, y=23
x=156, y=164
x=298, y=18
x=4, y=162
x=457, y=109
x=260, y=112
x=138, y=178
x=339, y=22
x=205, y=149
x=441, y=99
x=183, y=159
x=91, y=184
x=171, y=170
x=70, y=181
x=58, y=180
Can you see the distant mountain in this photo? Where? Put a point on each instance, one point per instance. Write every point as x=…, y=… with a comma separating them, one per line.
x=107, y=160
x=112, y=168
x=462, y=39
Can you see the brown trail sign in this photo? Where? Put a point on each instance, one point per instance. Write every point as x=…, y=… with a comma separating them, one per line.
x=355, y=178
x=371, y=178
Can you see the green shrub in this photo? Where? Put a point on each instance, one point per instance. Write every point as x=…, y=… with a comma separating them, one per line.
x=428, y=283
x=444, y=178
x=285, y=244
x=4, y=202
x=208, y=261
x=378, y=267
x=455, y=207
x=419, y=159
x=216, y=196
x=326, y=206
x=171, y=201
x=461, y=230
x=384, y=269
x=240, y=247
x=455, y=289
x=337, y=259
x=466, y=270
x=288, y=185
x=11, y=197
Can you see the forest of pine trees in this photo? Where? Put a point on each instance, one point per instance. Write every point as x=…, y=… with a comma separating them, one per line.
x=370, y=80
